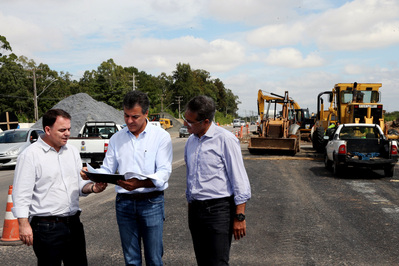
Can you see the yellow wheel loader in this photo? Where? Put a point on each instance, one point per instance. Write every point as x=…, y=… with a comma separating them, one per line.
x=349, y=103
x=277, y=131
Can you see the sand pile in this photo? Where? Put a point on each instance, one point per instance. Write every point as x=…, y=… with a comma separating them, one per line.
x=84, y=108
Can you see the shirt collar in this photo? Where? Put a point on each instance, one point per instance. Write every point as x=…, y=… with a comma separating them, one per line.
x=47, y=147
x=211, y=131
x=146, y=129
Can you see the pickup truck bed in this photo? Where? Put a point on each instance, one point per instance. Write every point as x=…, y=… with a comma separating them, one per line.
x=363, y=149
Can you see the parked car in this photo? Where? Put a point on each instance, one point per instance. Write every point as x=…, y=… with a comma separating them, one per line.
x=236, y=123
x=360, y=145
x=13, y=142
x=183, y=132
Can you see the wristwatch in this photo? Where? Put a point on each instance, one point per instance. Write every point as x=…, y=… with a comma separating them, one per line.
x=240, y=217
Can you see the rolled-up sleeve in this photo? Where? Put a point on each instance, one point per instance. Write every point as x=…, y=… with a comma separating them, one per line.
x=236, y=171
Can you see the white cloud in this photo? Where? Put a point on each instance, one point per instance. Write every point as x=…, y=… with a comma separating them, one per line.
x=216, y=56
x=293, y=58
x=277, y=35
x=360, y=24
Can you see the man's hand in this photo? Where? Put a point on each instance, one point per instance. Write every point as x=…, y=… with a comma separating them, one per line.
x=130, y=184
x=134, y=183
x=239, y=229
x=82, y=174
x=25, y=231
x=99, y=187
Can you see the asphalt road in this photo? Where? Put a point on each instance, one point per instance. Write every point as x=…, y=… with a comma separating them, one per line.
x=299, y=214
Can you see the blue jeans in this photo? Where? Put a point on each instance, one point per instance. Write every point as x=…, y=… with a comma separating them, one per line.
x=141, y=220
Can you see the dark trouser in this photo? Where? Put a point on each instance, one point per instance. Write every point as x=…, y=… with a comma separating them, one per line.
x=57, y=239
x=211, y=226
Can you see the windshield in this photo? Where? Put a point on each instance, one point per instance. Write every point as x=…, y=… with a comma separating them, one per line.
x=13, y=136
x=359, y=133
x=361, y=96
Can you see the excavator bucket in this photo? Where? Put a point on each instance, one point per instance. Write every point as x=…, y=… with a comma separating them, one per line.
x=264, y=144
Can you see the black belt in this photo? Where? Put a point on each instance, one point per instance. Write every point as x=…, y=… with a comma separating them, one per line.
x=210, y=202
x=140, y=196
x=57, y=219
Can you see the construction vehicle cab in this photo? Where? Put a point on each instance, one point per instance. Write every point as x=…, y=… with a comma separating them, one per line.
x=349, y=103
x=276, y=130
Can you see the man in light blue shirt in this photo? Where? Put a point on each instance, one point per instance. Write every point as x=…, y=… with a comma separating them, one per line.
x=217, y=184
x=145, y=150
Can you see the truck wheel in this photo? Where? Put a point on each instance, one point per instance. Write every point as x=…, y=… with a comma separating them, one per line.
x=327, y=163
x=389, y=171
x=318, y=139
x=298, y=141
x=337, y=168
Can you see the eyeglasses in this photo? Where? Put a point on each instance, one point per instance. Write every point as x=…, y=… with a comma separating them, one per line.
x=190, y=124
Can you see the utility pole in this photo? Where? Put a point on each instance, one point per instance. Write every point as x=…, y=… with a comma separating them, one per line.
x=35, y=96
x=134, y=82
x=162, y=96
x=179, y=99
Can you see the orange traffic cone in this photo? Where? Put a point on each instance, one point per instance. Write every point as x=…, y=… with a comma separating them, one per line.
x=11, y=228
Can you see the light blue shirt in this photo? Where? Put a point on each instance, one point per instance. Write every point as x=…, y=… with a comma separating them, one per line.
x=47, y=182
x=215, y=168
x=150, y=154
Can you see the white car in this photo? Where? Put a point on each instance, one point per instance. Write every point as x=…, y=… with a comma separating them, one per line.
x=13, y=142
x=236, y=123
x=360, y=145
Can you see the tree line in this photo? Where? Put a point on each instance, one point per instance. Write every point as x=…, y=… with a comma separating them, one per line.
x=22, y=78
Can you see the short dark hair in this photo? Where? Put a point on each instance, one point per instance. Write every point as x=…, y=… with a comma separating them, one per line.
x=204, y=106
x=51, y=115
x=136, y=97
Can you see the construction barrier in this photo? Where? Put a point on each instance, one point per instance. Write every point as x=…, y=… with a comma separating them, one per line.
x=10, y=236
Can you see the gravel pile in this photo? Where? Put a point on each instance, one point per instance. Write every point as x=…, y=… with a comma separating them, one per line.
x=84, y=108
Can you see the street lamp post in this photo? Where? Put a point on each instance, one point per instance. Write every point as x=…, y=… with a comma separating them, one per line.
x=36, y=97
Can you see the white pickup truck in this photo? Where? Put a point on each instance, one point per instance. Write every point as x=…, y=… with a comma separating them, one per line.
x=92, y=141
x=360, y=145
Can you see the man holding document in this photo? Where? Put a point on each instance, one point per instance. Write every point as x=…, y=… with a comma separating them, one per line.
x=143, y=154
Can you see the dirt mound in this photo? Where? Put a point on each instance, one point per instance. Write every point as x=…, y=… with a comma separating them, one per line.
x=82, y=107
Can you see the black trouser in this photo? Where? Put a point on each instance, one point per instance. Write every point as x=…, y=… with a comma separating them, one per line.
x=57, y=239
x=211, y=226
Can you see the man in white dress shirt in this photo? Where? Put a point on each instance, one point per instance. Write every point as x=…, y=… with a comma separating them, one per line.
x=46, y=190
x=144, y=149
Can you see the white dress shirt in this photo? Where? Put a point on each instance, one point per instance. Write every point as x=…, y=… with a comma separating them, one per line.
x=47, y=182
x=215, y=168
x=149, y=154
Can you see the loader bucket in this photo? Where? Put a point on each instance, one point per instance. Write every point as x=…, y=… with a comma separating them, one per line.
x=259, y=144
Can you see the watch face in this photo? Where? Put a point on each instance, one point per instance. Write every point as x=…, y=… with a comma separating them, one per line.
x=240, y=217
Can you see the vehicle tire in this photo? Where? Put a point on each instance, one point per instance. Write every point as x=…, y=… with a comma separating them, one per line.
x=298, y=141
x=337, y=168
x=389, y=170
x=318, y=139
x=327, y=163
x=180, y=136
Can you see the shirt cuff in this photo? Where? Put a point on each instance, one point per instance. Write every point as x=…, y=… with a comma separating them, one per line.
x=20, y=212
